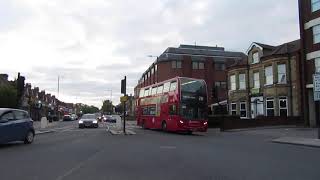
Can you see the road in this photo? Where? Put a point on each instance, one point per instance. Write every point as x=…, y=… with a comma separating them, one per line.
x=79, y=154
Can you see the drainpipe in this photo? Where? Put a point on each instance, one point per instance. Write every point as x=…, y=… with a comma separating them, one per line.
x=304, y=95
x=290, y=80
x=248, y=91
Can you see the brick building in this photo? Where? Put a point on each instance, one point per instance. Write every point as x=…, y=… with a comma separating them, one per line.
x=309, y=11
x=202, y=62
x=268, y=84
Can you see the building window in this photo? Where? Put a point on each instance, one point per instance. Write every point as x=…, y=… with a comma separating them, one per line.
x=242, y=81
x=197, y=65
x=243, y=109
x=270, y=106
x=194, y=65
x=256, y=80
x=269, y=75
x=201, y=65
x=220, y=84
x=283, y=106
x=223, y=85
x=317, y=65
x=316, y=34
x=233, y=82
x=176, y=64
x=219, y=66
x=315, y=5
x=233, y=109
x=282, y=77
x=255, y=57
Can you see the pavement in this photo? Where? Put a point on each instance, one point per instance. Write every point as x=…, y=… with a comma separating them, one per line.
x=81, y=154
x=54, y=126
x=287, y=135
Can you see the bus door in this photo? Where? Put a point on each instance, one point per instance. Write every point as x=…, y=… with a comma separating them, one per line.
x=173, y=117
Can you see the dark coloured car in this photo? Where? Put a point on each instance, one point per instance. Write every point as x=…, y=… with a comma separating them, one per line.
x=88, y=120
x=16, y=125
x=110, y=119
x=67, y=118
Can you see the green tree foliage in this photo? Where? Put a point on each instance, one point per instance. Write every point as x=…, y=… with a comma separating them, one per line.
x=8, y=97
x=89, y=109
x=107, y=107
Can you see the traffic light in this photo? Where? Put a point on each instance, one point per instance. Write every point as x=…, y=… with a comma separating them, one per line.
x=123, y=85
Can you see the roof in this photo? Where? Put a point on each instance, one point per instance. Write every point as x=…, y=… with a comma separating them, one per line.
x=265, y=46
x=199, y=53
x=285, y=48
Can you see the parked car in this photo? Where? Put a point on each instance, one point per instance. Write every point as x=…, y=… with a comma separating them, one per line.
x=67, y=118
x=16, y=125
x=109, y=118
x=88, y=120
x=74, y=117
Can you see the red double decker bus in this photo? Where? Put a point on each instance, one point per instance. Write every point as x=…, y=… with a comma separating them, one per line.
x=178, y=104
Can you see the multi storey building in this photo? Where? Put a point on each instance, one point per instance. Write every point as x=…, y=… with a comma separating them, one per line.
x=309, y=11
x=268, y=84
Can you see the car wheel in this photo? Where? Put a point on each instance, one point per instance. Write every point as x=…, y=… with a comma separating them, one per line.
x=164, y=126
x=29, y=138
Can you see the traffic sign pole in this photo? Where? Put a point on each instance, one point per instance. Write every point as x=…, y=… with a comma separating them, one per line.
x=124, y=91
x=316, y=97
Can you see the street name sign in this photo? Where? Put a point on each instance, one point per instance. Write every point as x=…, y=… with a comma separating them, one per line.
x=316, y=87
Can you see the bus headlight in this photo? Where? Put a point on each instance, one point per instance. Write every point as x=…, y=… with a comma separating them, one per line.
x=205, y=123
x=181, y=122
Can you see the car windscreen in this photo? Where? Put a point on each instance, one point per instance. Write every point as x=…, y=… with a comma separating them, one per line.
x=88, y=116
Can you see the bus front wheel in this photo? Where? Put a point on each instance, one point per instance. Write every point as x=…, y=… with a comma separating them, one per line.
x=164, y=126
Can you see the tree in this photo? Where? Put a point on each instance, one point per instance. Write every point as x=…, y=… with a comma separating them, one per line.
x=8, y=96
x=89, y=109
x=107, y=107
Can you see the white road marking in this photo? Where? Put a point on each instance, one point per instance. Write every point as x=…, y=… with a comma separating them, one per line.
x=77, y=167
x=168, y=147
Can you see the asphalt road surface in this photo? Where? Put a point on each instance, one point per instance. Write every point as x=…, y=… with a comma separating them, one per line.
x=85, y=154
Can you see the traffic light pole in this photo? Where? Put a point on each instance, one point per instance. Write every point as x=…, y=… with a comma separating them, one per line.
x=124, y=92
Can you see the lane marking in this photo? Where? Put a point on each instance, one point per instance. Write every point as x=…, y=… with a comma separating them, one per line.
x=80, y=165
x=168, y=147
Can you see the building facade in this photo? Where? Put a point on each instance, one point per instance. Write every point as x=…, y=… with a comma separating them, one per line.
x=268, y=84
x=309, y=11
x=201, y=62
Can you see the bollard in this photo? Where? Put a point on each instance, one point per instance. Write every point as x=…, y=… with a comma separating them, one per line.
x=44, y=122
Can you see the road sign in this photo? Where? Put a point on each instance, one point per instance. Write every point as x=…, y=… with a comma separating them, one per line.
x=316, y=87
x=123, y=98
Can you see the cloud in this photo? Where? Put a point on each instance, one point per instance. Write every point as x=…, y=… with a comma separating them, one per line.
x=92, y=44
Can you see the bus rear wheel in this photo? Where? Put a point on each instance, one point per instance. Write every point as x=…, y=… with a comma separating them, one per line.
x=164, y=126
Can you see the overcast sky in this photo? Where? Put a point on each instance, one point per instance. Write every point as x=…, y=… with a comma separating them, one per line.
x=92, y=44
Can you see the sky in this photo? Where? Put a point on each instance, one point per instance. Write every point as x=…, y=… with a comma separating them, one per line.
x=92, y=44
